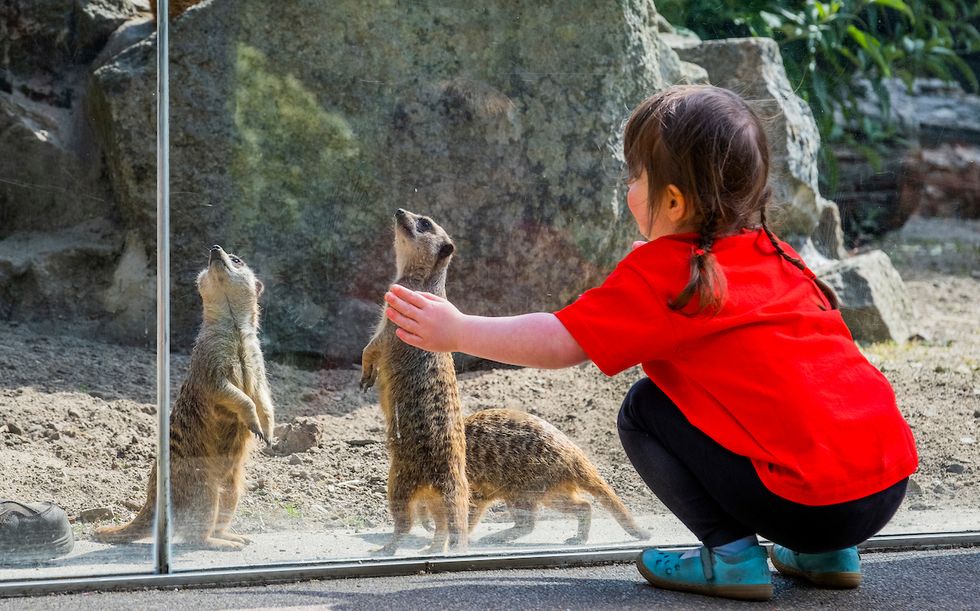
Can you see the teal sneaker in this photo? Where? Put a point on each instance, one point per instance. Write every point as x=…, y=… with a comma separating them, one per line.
x=744, y=576
x=839, y=569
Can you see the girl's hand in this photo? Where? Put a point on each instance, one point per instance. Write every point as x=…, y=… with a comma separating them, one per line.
x=424, y=320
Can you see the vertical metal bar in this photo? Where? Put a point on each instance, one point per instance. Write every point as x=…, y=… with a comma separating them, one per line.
x=162, y=539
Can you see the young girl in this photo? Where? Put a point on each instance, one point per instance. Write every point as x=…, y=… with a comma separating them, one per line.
x=758, y=415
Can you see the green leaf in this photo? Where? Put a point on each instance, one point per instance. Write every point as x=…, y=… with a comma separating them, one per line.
x=898, y=5
x=966, y=71
x=844, y=51
x=771, y=20
x=796, y=18
x=871, y=45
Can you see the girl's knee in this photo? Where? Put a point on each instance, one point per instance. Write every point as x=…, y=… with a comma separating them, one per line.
x=636, y=401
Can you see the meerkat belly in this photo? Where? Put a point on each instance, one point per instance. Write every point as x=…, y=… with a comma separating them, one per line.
x=425, y=426
x=251, y=368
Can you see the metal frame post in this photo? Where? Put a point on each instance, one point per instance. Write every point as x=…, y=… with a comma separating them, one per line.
x=162, y=535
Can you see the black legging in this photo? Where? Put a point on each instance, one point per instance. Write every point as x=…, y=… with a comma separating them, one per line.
x=719, y=496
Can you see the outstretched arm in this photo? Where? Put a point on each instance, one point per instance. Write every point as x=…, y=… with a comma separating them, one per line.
x=431, y=323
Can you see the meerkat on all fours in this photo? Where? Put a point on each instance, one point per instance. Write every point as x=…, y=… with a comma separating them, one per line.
x=222, y=402
x=526, y=462
x=420, y=400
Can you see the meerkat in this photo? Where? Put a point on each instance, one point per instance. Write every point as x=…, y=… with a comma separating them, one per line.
x=222, y=402
x=526, y=462
x=420, y=400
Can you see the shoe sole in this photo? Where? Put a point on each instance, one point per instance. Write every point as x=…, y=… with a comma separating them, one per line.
x=756, y=592
x=837, y=581
x=38, y=552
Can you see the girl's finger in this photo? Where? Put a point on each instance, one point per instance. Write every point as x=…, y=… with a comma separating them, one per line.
x=432, y=297
x=401, y=320
x=401, y=305
x=408, y=295
x=409, y=338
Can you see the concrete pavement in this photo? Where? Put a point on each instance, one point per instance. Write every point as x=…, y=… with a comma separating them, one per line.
x=942, y=579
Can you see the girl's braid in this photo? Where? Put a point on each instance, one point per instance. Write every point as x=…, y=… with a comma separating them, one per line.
x=705, y=273
x=824, y=287
x=707, y=237
x=775, y=244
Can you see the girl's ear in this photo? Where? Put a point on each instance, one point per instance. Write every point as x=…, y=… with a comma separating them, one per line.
x=677, y=206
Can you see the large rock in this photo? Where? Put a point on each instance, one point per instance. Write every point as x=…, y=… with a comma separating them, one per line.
x=868, y=193
x=874, y=302
x=49, y=181
x=942, y=181
x=930, y=112
x=47, y=277
x=931, y=170
x=62, y=257
x=298, y=128
x=42, y=41
x=753, y=68
x=52, y=171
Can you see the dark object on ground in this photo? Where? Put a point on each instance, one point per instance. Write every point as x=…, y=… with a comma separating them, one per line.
x=31, y=532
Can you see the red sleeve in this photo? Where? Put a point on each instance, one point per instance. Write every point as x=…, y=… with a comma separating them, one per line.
x=621, y=323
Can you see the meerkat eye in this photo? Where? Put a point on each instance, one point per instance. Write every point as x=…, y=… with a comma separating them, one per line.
x=424, y=225
x=236, y=260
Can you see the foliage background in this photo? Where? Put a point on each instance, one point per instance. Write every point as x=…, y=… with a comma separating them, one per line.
x=829, y=48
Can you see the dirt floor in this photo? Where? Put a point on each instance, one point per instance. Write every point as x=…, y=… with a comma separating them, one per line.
x=77, y=417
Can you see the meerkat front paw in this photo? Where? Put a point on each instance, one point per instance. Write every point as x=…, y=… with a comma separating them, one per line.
x=269, y=429
x=261, y=435
x=368, y=376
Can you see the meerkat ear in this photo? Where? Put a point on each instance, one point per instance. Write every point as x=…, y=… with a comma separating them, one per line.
x=259, y=287
x=446, y=249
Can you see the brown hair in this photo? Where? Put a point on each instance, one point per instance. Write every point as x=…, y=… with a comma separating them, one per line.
x=708, y=143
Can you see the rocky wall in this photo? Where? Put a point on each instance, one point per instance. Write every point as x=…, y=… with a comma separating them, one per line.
x=297, y=129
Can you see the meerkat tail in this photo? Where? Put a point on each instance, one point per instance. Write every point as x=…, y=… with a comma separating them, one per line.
x=603, y=492
x=139, y=527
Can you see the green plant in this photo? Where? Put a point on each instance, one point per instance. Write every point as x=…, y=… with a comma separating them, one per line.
x=292, y=510
x=827, y=47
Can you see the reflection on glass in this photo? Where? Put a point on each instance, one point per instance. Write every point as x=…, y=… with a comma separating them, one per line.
x=294, y=147
x=77, y=382
x=298, y=129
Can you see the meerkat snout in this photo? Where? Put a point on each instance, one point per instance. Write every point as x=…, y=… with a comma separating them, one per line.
x=421, y=245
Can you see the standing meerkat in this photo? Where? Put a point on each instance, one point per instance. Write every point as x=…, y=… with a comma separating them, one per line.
x=222, y=402
x=527, y=462
x=420, y=400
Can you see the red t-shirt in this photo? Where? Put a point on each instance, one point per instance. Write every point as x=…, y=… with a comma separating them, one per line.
x=774, y=376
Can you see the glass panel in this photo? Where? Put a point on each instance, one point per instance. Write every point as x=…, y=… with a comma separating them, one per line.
x=898, y=154
x=935, y=374
x=77, y=298
x=294, y=144
x=299, y=130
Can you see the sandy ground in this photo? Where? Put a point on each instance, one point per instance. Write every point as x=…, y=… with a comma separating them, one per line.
x=77, y=417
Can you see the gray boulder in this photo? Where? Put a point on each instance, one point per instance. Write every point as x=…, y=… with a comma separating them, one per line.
x=62, y=258
x=874, y=302
x=931, y=111
x=46, y=277
x=753, y=68
x=53, y=172
x=49, y=181
x=43, y=40
x=298, y=128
